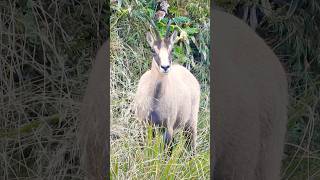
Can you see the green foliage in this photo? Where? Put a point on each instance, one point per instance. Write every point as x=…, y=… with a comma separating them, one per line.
x=133, y=155
x=152, y=161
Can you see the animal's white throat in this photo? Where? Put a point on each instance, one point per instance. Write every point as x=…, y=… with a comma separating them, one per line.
x=164, y=57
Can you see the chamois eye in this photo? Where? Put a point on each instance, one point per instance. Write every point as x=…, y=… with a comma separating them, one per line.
x=152, y=51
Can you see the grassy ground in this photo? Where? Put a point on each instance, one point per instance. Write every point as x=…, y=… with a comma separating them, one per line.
x=130, y=58
x=46, y=52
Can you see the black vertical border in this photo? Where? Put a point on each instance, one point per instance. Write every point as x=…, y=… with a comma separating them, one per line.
x=108, y=16
x=212, y=146
x=108, y=88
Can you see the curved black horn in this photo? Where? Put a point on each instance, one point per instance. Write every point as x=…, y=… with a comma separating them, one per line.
x=155, y=29
x=168, y=28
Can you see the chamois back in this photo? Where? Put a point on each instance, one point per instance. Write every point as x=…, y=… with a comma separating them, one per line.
x=250, y=103
x=92, y=133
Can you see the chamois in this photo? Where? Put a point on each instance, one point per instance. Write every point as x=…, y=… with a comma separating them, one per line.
x=168, y=95
x=250, y=103
x=92, y=132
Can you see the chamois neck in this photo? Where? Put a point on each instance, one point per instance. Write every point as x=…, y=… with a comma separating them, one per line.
x=160, y=81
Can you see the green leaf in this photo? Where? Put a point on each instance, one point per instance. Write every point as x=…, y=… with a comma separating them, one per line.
x=150, y=12
x=173, y=10
x=178, y=51
x=191, y=31
x=181, y=20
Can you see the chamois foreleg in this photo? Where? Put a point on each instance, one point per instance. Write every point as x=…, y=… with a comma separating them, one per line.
x=190, y=133
x=168, y=139
x=190, y=129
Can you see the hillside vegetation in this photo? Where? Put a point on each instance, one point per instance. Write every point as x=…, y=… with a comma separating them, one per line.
x=132, y=157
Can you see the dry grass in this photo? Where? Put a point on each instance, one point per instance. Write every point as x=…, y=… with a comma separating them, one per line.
x=46, y=52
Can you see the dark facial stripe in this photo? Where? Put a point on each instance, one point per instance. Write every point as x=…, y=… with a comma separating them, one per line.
x=158, y=44
x=165, y=42
x=170, y=57
x=156, y=58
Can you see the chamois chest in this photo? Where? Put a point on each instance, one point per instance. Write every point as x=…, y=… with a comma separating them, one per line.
x=168, y=105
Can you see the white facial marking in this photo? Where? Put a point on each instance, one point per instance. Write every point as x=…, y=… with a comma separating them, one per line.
x=163, y=56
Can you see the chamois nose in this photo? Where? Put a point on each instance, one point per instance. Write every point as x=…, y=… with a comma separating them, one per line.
x=165, y=68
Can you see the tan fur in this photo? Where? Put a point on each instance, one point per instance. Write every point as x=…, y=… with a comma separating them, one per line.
x=249, y=103
x=92, y=133
x=178, y=102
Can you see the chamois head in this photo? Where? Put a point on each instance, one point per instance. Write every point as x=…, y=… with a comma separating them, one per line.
x=162, y=51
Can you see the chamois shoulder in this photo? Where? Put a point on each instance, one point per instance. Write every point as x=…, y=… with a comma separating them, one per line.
x=145, y=77
x=178, y=66
x=182, y=72
x=178, y=69
x=145, y=85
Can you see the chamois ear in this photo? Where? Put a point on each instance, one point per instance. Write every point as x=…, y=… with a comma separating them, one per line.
x=150, y=39
x=173, y=37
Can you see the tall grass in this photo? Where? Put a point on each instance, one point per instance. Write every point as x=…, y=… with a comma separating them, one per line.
x=132, y=155
x=46, y=51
